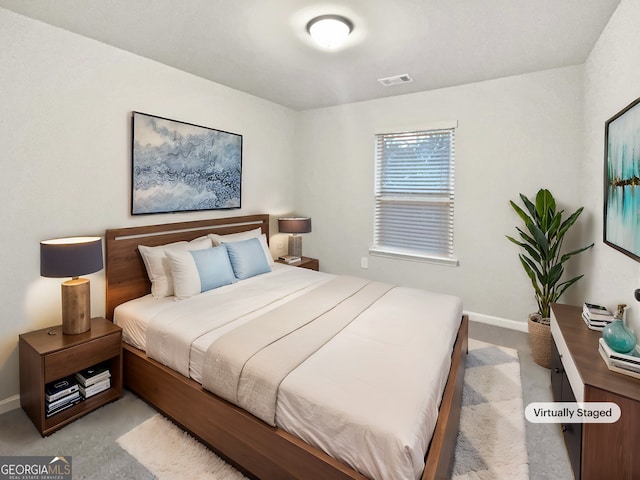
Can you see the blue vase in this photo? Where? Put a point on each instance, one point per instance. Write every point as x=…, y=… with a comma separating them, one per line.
x=619, y=337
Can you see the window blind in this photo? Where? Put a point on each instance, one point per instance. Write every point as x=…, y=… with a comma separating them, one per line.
x=414, y=193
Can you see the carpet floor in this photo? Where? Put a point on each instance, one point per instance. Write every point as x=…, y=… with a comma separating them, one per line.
x=491, y=441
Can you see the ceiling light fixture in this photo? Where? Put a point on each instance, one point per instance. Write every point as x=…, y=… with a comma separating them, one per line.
x=329, y=31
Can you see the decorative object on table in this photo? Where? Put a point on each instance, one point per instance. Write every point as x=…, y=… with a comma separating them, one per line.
x=543, y=261
x=60, y=395
x=290, y=259
x=180, y=167
x=621, y=196
x=595, y=316
x=617, y=336
x=295, y=226
x=626, y=363
x=94, y=380
x=72, y=257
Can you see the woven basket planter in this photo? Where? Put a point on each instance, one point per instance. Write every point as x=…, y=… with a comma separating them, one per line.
x=540, y=337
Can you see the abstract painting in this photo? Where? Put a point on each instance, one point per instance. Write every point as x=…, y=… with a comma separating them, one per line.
x=180, y=167
x=622, y=181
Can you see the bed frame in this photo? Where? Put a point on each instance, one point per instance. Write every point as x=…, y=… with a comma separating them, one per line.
x=257, y=449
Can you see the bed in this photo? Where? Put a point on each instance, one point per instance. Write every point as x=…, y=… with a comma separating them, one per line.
x=272, y=444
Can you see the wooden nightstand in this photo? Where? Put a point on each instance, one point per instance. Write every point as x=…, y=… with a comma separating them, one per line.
x=307, y=262
x=47, y=355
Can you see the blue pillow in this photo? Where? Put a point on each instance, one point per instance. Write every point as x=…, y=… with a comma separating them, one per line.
x=196, y=271
x=247, y=258
x=213, y=267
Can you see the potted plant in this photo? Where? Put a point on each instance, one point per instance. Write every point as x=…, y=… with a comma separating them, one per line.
x=543, y=261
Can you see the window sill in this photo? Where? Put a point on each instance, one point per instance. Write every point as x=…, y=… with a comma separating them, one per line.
x=413, y=256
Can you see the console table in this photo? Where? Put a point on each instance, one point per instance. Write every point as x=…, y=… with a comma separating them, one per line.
x=578, y=373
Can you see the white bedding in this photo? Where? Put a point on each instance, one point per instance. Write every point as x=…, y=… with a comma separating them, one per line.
x=368, y=397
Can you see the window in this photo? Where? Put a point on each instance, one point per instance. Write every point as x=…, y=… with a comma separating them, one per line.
x=414, y=194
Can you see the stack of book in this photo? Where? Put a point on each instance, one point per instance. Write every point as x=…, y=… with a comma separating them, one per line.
x=627, y=363
x=291, y=259
x=60, y=395
x=596, y=316
x=94, y=380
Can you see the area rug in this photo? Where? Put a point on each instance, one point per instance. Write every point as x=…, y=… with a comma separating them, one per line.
x=491, y=441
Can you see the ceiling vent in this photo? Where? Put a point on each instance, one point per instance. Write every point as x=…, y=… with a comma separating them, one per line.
x=396, y=80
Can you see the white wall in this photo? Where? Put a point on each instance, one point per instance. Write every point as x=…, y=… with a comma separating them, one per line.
x=610, y=83
x=65, y=135
x=514, y=135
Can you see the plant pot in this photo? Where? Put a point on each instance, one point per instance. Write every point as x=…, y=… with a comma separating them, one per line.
x=540, y=337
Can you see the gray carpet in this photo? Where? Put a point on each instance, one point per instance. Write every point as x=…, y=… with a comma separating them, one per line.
x=91, y=441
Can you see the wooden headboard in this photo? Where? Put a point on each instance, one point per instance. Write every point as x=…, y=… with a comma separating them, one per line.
x=126, y=274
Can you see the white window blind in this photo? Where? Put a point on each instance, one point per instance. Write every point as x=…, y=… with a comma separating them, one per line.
x=414, y=194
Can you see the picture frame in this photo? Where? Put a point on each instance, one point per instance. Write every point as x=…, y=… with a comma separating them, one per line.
x=622, y=181
x=181, y=167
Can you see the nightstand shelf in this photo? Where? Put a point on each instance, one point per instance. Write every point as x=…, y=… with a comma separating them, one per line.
x=48, y=355
x=307, y=262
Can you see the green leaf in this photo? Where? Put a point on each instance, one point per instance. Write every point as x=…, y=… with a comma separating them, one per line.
x=527, y=238
x=555, y=273
x=540, y=239
x=521, y=213
x=566, y=225
x=555, y=224
x=545, y=208
x=532, y=276
x=540, y=274
x=567, y=256
x=530, y=207
x=560, y=289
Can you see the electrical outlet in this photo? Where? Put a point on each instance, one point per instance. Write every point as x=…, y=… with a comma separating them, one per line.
x=364, y=262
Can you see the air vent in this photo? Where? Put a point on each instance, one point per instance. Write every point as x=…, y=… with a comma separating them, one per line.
x=396, y=80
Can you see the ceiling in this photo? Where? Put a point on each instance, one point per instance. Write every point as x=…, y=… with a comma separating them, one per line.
x=261, y=46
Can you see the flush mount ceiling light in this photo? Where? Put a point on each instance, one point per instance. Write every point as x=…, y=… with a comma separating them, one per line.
x=329, y=31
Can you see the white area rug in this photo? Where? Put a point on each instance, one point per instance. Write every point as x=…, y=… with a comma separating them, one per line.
x=491, y=441
x=170, y=453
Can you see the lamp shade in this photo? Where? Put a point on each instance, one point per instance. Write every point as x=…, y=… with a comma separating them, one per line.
x=294, y=225
x=70, y=257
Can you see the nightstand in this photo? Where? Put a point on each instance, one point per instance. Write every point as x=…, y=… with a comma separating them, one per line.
x=307, y=262
x=48, y=355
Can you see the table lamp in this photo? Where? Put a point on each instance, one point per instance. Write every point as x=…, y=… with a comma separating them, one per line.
x=294, y=225
x=72, y=257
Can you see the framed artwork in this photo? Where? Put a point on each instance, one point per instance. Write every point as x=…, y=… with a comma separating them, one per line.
x=180, y=167
x=622, y=181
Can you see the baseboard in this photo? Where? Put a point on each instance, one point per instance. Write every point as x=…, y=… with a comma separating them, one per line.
x=497, y=321
x=9, y=404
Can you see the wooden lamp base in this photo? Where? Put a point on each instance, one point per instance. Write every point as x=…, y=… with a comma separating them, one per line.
x=76, y=306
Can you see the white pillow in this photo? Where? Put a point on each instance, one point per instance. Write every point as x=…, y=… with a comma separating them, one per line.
x=157, y=263
x=196, y=271
x=238, y=237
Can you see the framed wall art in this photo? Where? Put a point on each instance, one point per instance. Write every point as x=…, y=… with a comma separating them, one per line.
x=622, y=181
x=181, y=167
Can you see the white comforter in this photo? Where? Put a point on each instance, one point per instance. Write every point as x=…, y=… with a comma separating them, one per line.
x=368, y=397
